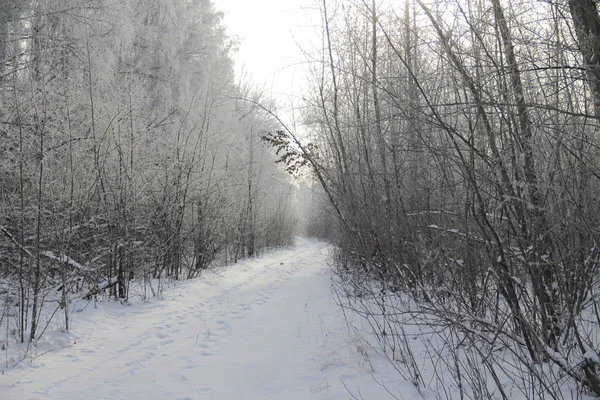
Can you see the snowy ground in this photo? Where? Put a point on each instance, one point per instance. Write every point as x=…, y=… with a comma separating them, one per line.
x=263, y=329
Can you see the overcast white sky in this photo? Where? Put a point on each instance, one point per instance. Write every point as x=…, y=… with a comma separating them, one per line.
x=268, y=31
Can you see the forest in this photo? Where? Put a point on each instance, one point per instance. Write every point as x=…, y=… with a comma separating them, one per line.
x=451, y=148
x=457, y=146
x=127, y=153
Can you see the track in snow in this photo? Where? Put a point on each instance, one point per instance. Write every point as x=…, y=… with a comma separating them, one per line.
x=265, y=328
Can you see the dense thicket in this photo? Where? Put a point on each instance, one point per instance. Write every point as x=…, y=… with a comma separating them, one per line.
x=458, y=144
x=123, y=154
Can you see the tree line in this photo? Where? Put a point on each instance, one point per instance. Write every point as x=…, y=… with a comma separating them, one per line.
x=457, y=144
x=125, y=154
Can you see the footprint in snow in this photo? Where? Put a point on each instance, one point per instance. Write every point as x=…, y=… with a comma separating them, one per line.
x=179, y=376
x=223, y=325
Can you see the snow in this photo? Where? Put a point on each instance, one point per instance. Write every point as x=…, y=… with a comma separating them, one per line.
x=62, y=258
x=266, y=328
x=591, y=355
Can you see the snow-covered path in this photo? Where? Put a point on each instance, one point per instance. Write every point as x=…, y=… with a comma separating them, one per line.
x=265, y=328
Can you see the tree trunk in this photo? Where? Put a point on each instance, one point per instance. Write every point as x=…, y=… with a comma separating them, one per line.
x=587, y=27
